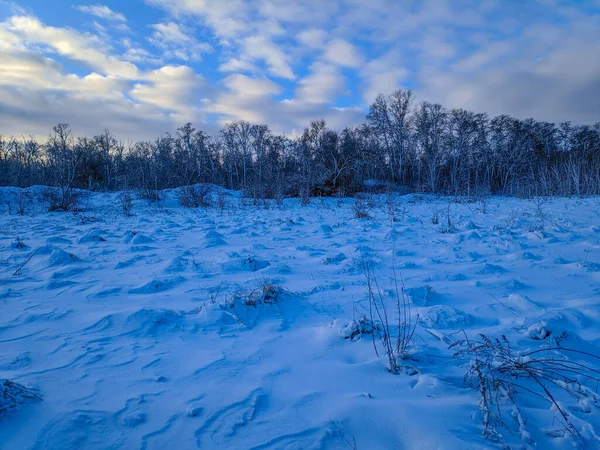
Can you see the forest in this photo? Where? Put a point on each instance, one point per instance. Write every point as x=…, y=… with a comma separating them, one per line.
x=403, y=145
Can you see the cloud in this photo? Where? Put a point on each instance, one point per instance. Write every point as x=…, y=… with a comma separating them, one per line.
x=227, y=18
x=177, y=42
x=34, y=111
x=238, y=65
x=342, y=53
x=135, y=53
x=383, y=75
x=244, y=98
x=171, y=88
x=251, y=87
x=552, y=78
x=321, y=85
x=36, y=91
x=260, y=48
x=102, y=12
x=286, y=63
x=251, y=99
x=69, y=43
x=481, y=58
x=312, y=38
x=40, y=94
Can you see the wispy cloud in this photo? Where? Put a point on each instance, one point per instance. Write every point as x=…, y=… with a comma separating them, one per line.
x=102, y=12
x=178, y=42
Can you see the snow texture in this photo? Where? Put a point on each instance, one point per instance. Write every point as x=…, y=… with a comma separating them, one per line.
x=249, y=328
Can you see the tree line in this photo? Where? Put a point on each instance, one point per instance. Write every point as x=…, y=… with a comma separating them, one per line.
x=419, y=147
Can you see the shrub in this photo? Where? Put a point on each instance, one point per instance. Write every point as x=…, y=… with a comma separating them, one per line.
x=13, y=395
x=499, y=373
x=22, y=202
x=195, y=196
x=395, y=344
x=19, y=243
x=127, y=204
x=221, y=199
x=361, y=208
x=150, y=195
x=62, y=199
x=266, y=293
x=305, y=196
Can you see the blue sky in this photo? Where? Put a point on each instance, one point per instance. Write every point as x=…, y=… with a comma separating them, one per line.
x=142, y=67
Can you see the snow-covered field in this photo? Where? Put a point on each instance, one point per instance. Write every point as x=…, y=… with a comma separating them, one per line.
x=209, y=328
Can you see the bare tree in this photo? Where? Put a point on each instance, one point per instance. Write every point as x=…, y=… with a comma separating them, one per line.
x=63, y=165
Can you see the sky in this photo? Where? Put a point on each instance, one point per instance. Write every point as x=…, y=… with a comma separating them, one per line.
x=143, y=67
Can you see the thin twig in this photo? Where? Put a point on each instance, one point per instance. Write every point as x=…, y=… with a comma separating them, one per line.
x=23, y=265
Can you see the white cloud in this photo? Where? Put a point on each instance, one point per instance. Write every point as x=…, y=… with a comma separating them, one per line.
x=137, y=54
x=321, y=85
x=342, y=53
x=479, y=59
x=172, y=88
x=383, y=75
x=251, y=87
x=561, y=84
x=260, y=48
x=245, y=98
x=312, y=38
x=227, y=18
x=69, y=43
x=36, y=92
x=238, y=65
x=304, y=12
x=23, y=69
x=102, y=12
x=436, y=45
x=251, y=99
x=177, y=42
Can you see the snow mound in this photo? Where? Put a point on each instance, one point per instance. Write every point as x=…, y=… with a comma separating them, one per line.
x=446, y=317
x=149, y=322
x=133, y=237
x=92, y=237
x=158, y=285
x=491, y=269
x=335, y=260
x=59, y=257
x=355, y=329
x=326, y=229
x=183, y=263
x=421, y=295
x=245, y=264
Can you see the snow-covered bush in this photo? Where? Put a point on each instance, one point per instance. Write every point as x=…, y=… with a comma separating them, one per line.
x=499, y=373
x=357, y=328
x=13, y=395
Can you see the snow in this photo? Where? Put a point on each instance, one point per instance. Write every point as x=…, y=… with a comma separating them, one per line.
x=249, y=327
